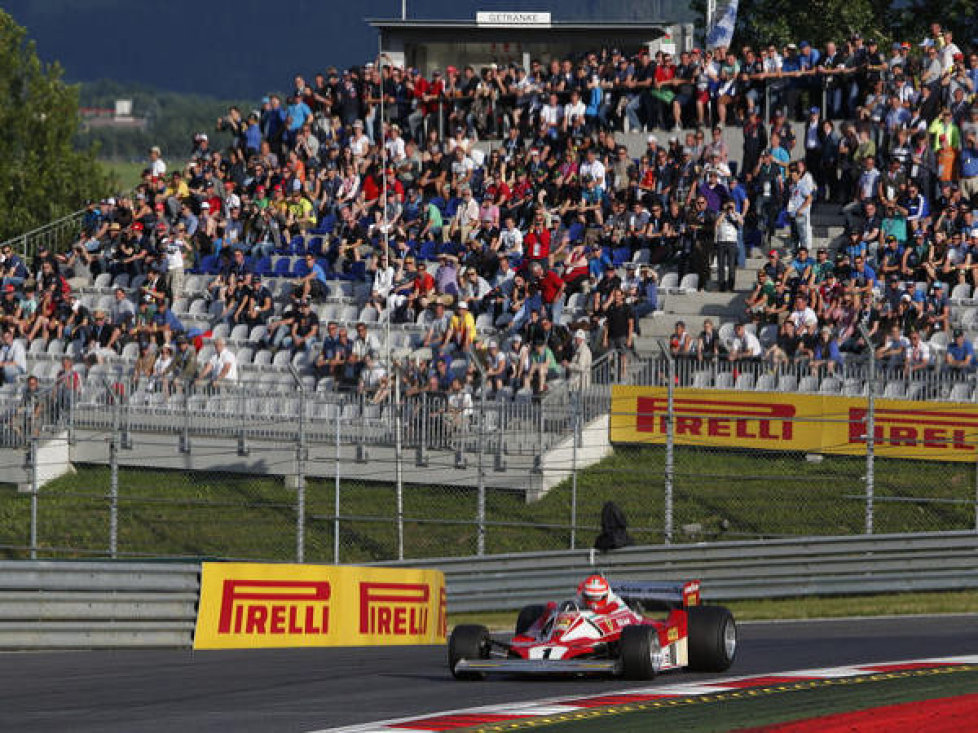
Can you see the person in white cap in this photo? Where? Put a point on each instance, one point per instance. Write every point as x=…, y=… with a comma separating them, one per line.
x=579, y=365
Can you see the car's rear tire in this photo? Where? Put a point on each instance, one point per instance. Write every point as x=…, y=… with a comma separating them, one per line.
x=712, y=638
x=469, y=641
x=528, y=615
x=640, y=652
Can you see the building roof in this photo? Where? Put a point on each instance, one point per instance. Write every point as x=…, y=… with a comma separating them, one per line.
x=618, y=26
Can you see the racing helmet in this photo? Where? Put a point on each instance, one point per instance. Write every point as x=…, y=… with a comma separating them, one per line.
x=594, y=591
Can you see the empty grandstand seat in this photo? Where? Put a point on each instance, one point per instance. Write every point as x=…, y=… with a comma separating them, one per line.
x=766, y=383
x=282, y=267
x=239, y=332
x=960, y=392
x=895, y=389
x=669, y=282
x=745, y=381
x=830, y=385
x=724, y=380
x=853, y=387
x=690, y=282
x=703, y=378
x=808, y=384
x=787, y=383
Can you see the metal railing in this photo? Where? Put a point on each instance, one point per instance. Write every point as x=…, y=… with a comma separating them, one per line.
x=64, y=605
x=54, y=235
x=812, y=566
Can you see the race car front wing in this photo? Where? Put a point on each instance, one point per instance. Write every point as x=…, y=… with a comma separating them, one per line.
x=540, y=666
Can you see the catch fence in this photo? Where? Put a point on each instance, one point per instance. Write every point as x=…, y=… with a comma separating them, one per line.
x=325, y=477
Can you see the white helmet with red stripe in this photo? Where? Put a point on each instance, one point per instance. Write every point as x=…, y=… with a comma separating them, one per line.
x=594, y=591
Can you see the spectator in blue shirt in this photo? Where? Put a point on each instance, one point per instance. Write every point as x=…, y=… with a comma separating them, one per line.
x=960, y=353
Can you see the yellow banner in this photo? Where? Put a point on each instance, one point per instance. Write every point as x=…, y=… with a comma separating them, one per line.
x=943, y=431
x=250, y=605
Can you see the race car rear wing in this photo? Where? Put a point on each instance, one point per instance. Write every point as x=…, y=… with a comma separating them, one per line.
x=654, y=595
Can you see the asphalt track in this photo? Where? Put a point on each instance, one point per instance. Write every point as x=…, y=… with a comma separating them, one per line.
x=312, y=689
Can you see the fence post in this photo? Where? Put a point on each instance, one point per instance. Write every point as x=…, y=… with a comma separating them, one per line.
x=498, y=464
x=336, y=494
x=300, y=474
x=185, y=432
x=870, y=431
x=243, y=449
x=480, y=512
x=398, y=463
x=33, y=469
x=670, y=443
x=114, y=481
x=576, y=418
x=421, y=457
x=538, y=458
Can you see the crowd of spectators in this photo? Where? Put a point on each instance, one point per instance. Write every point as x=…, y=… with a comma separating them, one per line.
x=521, y=260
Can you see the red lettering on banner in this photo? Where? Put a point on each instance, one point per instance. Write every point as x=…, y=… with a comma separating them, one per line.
x=934, y=438
x=272, y=606
x=442, y=612
x=717, y=427
x=394, y=609
x=929, y=429
x=742, y=431
x=718, y=419
x=257, y=615
x=903, y=436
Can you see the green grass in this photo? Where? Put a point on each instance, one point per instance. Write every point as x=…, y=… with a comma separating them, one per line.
x=767, y=705
x=126, y=174
x=718, y=495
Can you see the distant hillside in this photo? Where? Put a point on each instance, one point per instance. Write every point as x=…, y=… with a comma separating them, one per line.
x=247, y=47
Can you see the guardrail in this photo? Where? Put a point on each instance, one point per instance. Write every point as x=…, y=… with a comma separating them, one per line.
x=63, y=605
x=729, y=570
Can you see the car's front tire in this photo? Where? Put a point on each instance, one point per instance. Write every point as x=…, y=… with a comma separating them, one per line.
x=640, y=652
x=712, y=638
x=468, y=641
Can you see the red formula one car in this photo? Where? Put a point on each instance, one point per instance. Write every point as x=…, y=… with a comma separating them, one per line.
x=569, y=637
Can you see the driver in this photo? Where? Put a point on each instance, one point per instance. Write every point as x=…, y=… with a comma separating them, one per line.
x=597, y=595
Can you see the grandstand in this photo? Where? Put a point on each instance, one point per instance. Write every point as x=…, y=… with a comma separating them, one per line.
x=305, y=207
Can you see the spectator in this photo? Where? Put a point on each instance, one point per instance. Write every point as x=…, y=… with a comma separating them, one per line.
x=13, y=358
x=221, y=370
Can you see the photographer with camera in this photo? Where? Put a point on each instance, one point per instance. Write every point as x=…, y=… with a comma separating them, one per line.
x=728, y=224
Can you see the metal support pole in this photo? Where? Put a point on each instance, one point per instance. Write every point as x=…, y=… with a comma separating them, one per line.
x=870, y=431
x=243, y=449
x=398, y=464
x=336, y=496
x=538, y=458
x=480, y=512
x=576, y=407
x=421, y=457
x=114, y=482
x=361, y=456
x=498, y=464
x=185, y=433
x=300, y=478
x=670, y=445
x=34, y=488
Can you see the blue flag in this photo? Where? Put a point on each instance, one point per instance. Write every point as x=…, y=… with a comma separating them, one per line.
x=722, y=30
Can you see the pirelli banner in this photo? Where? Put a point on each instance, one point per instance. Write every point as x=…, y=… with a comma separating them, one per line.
x=943, y=431
x=249, y=605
